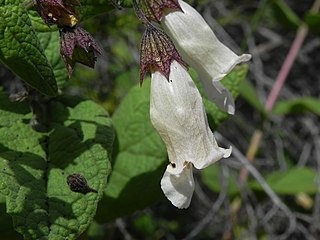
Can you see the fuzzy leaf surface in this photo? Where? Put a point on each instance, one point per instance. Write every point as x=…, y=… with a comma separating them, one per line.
x=139, y=161
x=50, y=41
x=34, y=166
x=20, y=49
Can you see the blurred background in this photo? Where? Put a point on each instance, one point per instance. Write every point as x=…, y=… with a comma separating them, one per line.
x=279, y=197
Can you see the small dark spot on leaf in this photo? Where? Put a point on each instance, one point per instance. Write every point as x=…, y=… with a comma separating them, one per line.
x=78, y=183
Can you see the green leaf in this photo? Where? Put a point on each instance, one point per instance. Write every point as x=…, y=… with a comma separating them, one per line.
x=38, y=24
x=50, y=41
x=299, y=105
x=126, y=3
x=140, y=158
x=90, y=8
x=20, y=49
x=285, y=15
x=34, y=166
x=146, y=225
x=232, y=82
x=211, y=178
x=313, y=21
x=293, y=181
x=249, y=93
x=6, y=229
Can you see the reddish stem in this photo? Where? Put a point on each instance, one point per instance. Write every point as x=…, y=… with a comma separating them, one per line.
x=286, y=67
x=280, y=80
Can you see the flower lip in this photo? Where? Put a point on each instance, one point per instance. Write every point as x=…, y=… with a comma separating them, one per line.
x=178, y=188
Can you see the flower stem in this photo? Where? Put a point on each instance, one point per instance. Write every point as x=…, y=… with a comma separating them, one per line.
x=286, y=67
x=140, y=14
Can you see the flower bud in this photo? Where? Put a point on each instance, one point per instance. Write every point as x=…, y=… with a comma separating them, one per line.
x=77, y=45
x=58, y=12
x=157, y=52
x=155, y=9
x=78, y=183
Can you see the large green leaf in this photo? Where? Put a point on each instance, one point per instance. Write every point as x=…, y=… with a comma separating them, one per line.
x=299, y=105
x=139, y=161
x=20, y=49
x=34, y=166
x=50, y=41
x=293, y=181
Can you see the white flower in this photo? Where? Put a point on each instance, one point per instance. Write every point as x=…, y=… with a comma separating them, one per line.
x=200, y=48
x=178, y=114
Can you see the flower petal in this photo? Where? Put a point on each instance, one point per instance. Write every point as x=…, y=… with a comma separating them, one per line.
x=178, y=114
x=198, y=45
x=200, y=48
x=218, y=94
x=178, y=188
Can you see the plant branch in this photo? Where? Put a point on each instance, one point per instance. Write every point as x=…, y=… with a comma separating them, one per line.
x=267, y=189
x=301, y=34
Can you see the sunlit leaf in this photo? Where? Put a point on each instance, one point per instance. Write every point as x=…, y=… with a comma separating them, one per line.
x=34, y=166
x=20, y=49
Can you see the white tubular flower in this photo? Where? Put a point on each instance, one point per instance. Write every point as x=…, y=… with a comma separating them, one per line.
x=178, y=114
x=200, y=48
